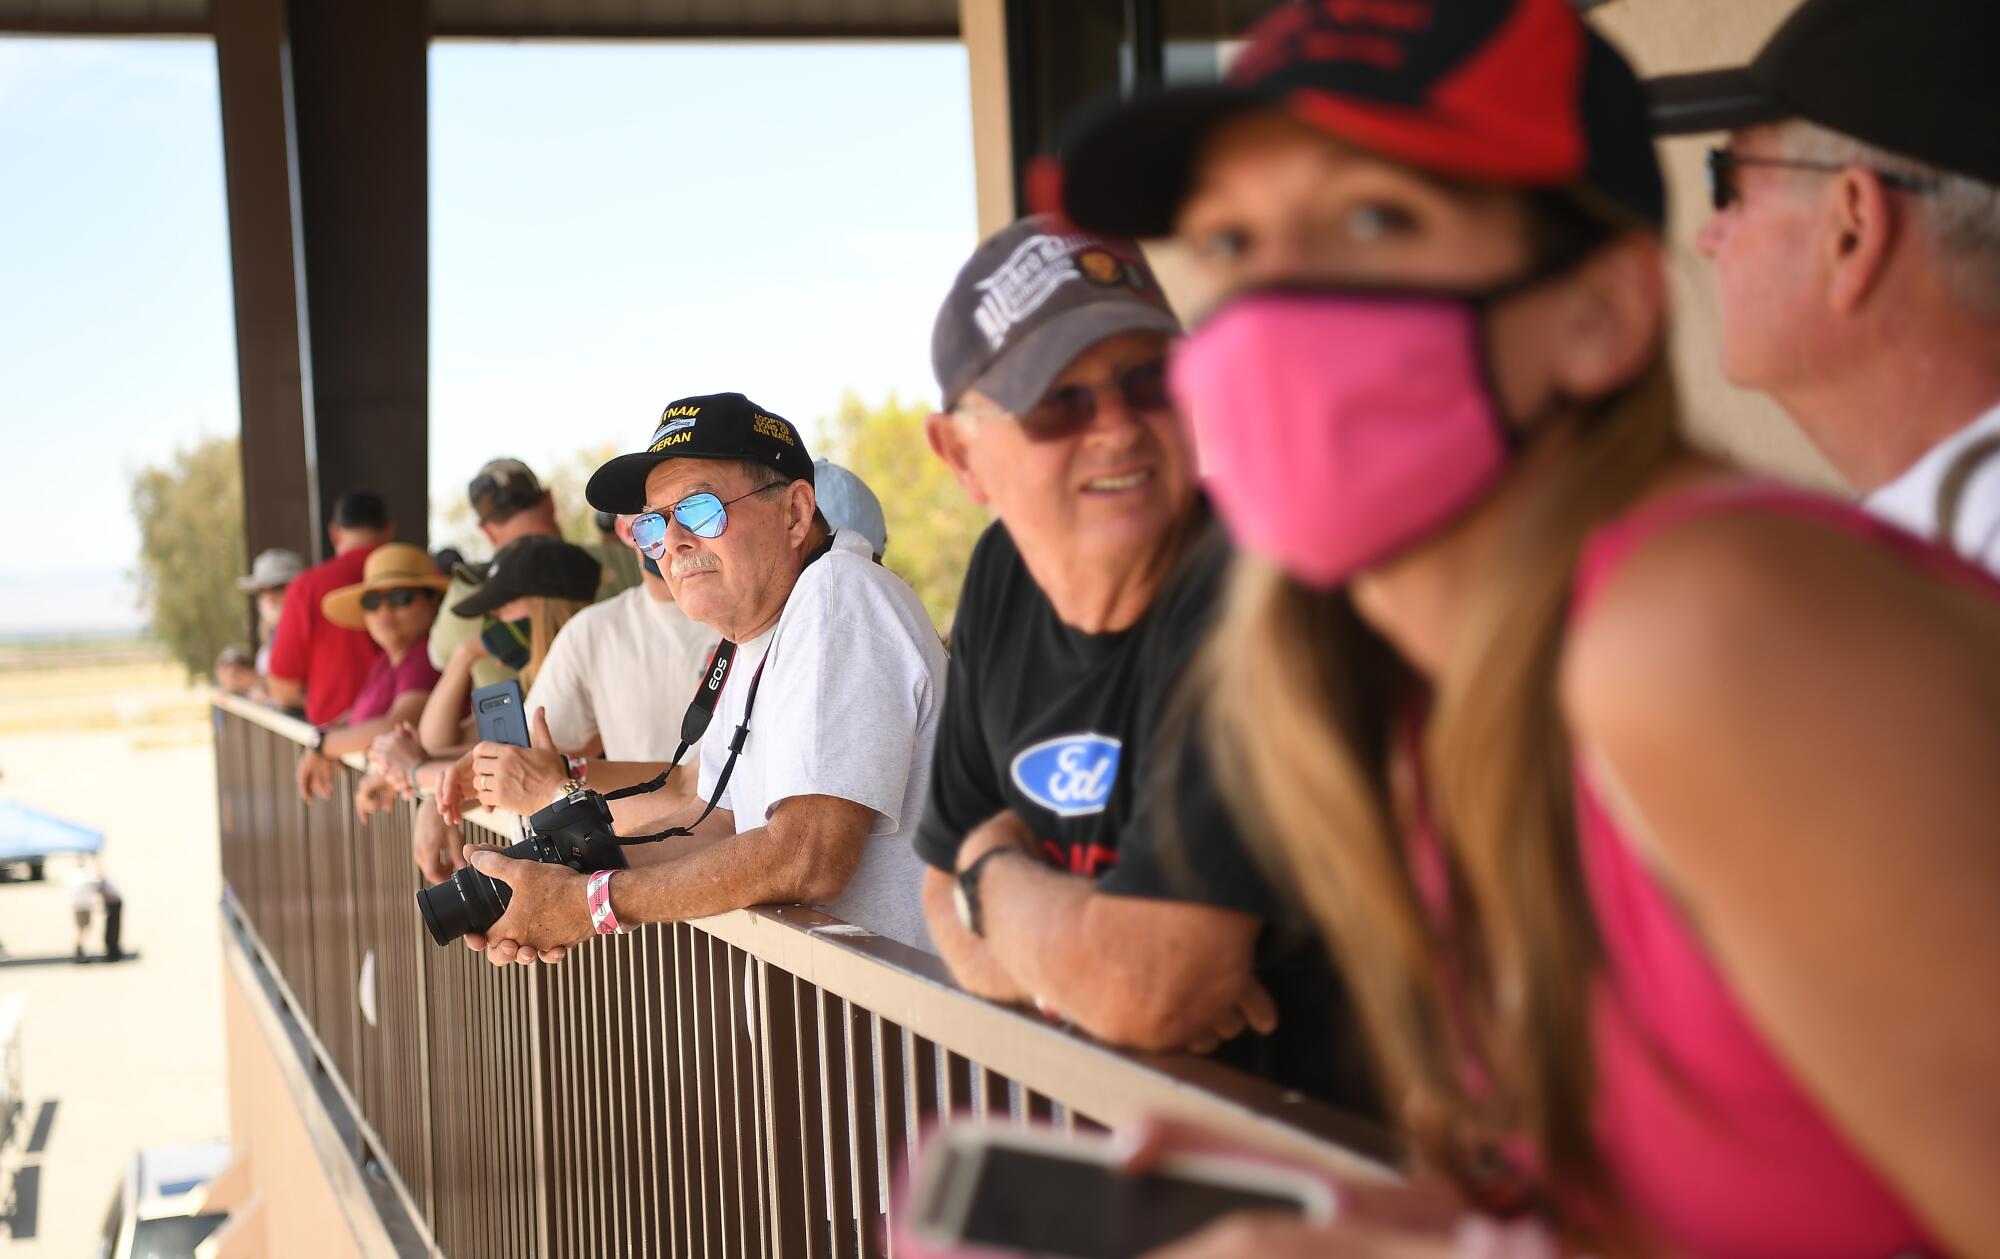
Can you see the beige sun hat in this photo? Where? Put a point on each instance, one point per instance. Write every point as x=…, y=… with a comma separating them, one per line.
x=391, y=566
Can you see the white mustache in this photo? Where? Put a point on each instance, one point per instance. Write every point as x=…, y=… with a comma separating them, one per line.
x=692, y=561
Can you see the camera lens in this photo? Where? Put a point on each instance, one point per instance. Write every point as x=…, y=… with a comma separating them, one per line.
x=467, y=901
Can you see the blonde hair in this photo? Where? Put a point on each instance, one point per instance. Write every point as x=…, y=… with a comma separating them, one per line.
x=546, y=617
x=1307, y=703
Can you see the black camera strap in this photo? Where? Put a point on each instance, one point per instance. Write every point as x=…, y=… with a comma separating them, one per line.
x=694, y=724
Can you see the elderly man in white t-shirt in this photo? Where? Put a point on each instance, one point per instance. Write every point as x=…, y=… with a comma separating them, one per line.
x=832, y=692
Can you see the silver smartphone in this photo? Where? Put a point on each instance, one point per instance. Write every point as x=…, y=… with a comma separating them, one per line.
x=988, y=1189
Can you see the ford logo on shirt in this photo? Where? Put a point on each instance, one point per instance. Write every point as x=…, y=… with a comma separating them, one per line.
x=1070, y=775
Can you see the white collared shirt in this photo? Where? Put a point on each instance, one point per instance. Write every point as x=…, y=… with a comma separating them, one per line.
x=1910, y=500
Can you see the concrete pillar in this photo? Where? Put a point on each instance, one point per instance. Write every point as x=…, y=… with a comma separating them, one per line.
x=983, y=26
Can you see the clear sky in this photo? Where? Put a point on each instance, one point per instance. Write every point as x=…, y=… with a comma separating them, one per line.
x=612, y=226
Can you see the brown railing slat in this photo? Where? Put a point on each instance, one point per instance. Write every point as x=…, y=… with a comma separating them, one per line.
x=784, y=1160
x=892, y=1095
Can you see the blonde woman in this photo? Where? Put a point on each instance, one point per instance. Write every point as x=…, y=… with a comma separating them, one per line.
x=533, y=587
x=1651, y=809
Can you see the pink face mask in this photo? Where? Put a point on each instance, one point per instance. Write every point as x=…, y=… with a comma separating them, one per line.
x=1337, y=427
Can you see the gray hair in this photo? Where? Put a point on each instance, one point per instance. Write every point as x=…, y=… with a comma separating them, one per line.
x=1960, y=215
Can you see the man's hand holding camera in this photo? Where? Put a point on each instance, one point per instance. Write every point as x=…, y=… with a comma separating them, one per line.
x=546, y=916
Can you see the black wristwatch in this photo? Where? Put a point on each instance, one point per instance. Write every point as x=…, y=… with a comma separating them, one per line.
x=318, y=739
x=965, y=893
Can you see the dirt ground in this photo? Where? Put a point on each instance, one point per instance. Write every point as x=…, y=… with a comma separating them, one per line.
x=115, y=1056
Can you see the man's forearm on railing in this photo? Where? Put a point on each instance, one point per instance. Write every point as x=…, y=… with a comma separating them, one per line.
x=806, y=853
x=972, y=964
x=1151, y=974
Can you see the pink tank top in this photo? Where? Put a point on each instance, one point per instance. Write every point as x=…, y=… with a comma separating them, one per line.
x=1713, y=1143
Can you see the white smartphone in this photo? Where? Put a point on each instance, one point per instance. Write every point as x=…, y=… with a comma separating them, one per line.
x=985, y=1188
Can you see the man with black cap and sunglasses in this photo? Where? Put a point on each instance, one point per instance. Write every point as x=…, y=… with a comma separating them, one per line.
x=821, y=704
x=1080, y=860
x=1856, y=241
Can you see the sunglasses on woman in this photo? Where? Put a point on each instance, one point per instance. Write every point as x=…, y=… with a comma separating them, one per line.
x=399, y=598
x=703, y=515
x=1723, y=165
x=1067, y=411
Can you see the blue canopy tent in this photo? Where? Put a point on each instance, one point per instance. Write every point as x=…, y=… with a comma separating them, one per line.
x=26, y=834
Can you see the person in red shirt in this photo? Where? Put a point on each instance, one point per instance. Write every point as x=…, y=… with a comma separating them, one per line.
x=315, y=664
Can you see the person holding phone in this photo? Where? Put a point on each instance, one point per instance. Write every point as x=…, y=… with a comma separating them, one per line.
x=1650, y=807
x=394, y=603
x=533, y=588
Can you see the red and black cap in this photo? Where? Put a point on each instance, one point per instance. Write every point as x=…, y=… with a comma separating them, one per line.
x=1902, y=76
x=1515, y=92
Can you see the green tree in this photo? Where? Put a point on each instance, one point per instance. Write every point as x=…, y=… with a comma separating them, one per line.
x=932, y=524
x=190, y=516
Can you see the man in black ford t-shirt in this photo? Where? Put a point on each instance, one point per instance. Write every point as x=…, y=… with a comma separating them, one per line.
x=1061, y=875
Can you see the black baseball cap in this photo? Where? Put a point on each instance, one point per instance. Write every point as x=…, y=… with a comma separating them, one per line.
x=1903, y=75
x=1513, y=92
x=502, y=488
x=534, y=565
x=1035, y=295
x=711, y=426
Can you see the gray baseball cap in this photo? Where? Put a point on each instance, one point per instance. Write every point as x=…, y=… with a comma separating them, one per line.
x=1031, y=298
x=272, y=568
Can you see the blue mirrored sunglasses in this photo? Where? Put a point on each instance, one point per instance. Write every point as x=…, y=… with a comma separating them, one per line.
x=702, y=515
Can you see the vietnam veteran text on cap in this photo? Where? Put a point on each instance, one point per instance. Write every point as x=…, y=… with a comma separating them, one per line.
x=711, y=426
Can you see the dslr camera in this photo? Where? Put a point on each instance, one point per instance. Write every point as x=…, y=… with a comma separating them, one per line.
x=575, y=831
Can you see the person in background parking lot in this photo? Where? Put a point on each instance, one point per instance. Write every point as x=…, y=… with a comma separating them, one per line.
x=80, y=886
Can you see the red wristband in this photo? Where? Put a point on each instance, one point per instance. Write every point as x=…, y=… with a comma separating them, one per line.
x=577, y=766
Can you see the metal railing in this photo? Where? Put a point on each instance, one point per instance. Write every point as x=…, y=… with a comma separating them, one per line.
x=746, y=1084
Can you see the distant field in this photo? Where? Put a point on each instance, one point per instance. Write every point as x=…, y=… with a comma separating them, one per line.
x=95, y=686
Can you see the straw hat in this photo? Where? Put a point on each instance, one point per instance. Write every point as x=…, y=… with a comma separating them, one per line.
x=391, y=566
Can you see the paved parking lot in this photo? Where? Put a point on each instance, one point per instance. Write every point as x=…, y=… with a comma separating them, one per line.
x=115, y=1056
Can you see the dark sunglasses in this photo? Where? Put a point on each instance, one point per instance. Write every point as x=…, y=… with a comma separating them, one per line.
x=703, y=515
x=1069, y=410
x=402, y=597
x=1723, y=165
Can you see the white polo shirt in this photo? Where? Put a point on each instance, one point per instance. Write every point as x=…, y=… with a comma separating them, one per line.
x=853, y=686
x=624, y=669
x=1911, y=499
